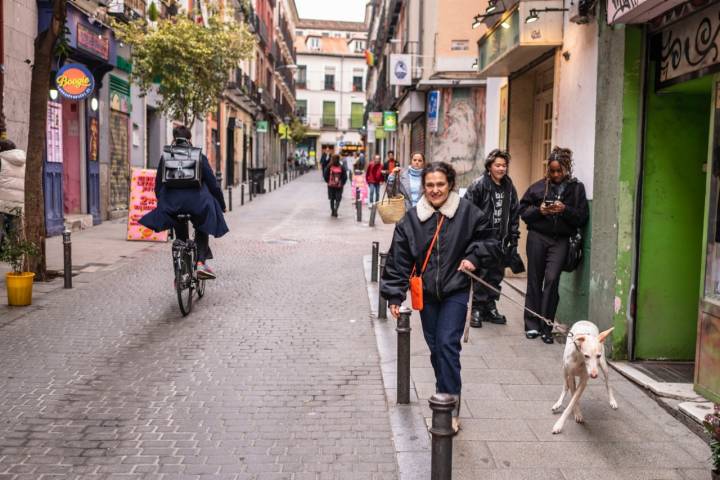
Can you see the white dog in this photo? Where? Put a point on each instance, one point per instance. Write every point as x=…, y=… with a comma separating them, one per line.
x=584, y=353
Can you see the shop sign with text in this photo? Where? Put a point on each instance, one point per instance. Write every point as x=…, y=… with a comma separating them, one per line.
x=75, y=82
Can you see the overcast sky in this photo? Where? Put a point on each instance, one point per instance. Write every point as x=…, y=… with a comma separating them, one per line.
x=348, y=10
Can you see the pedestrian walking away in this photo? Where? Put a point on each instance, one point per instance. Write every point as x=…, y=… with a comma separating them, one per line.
x=336, y=177
x=409, y=180
x=495, y=194
x=374, y=178
x=553, y=208
x=441, y=226
x=205, y=205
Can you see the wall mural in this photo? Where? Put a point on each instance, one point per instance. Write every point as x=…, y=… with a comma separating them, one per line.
x=460, y=138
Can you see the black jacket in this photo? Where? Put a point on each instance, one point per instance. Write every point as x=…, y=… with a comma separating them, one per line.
x=560, y=225
x=480, y=194
x=464, y=235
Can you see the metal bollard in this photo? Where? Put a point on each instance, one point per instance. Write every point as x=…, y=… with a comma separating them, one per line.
x=242, y=194
x=374, y=261
x=373, y=214
x=230, y=197
x=442, y=405
x=250, y=193
x=358, y=204
x=67, y=257
x=403, y=356
x=382, y=303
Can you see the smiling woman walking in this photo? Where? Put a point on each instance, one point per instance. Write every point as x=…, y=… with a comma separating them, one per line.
x=435, y=240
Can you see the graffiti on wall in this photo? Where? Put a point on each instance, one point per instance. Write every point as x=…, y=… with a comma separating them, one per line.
x=460, y=138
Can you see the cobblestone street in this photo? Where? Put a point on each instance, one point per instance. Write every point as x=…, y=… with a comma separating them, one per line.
x=274, y=375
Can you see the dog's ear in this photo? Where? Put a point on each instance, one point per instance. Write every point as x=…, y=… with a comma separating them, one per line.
x=605, y=334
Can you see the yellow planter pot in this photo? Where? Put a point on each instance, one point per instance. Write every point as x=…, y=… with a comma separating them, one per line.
x=19, y=288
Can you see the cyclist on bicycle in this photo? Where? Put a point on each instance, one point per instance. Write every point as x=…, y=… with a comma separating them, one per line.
x=205, y=205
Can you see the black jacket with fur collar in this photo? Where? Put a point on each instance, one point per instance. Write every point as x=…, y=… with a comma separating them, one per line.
x=464, y=235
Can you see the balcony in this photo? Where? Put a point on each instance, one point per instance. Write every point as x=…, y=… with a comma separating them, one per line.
x=287, y=38
x=128, y=10
x=329, y=123
x=262, y=31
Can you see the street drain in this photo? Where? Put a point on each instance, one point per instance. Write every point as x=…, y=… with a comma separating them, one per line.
x=282, y=241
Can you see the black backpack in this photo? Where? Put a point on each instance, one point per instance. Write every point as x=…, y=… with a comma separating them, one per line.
x=182, y=165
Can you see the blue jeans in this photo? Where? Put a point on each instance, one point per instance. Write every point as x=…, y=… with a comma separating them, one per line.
x=374, y=192
x=443, y=325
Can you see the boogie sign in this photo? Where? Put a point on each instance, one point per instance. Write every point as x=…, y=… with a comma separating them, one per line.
x=74, y=81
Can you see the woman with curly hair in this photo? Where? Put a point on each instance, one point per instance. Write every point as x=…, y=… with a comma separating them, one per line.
x=553, y=209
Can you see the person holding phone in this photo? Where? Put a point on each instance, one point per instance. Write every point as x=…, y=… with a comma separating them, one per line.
x=553, y=209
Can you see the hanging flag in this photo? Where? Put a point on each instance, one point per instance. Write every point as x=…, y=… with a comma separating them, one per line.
x=369, y=58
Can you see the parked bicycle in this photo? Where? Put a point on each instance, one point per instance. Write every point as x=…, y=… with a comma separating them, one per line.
x=184, y=255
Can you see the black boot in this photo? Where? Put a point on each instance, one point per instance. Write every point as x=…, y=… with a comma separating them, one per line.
x=493, y=316
x=476, y=319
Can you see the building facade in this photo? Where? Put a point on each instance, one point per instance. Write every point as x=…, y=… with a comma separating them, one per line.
x=331, y=78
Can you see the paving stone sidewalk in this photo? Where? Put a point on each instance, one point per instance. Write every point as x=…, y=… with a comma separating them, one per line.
x=274, y=375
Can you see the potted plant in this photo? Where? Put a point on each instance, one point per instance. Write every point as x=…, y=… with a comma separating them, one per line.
x=15, y=250
x=712, y=427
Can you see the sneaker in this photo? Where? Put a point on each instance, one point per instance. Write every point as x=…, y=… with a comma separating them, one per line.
x=204, y=272
x=532, y=334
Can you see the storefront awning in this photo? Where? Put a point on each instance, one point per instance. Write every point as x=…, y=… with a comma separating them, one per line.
x=513, y=43
x=637, y=11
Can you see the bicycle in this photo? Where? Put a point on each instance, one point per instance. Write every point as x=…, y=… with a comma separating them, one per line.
x=184, y=253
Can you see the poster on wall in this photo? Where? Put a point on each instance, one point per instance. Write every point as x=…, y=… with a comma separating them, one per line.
x=54, y=132
x=142, y=201
x=94, y=134
x=433, y=110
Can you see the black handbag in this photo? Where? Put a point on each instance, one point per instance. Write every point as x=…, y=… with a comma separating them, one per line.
x=574, y=256
x=182, y=166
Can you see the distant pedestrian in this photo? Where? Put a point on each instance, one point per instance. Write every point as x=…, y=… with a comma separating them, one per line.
x=389, y=164
x=495, y=194
x=324, y=159
x=553, y=209
x=462, y=241
x=374, y=179
x=410, y=184
x=336, y=178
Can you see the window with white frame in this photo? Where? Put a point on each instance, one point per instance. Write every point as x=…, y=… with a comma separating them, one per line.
x=313, y=43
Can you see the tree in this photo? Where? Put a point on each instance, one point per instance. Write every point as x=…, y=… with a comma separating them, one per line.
x=298, y=130
x=188, y=62
x=45, y=44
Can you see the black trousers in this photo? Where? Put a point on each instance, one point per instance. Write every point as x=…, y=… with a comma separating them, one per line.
x=335, y=195
x=202, y=240
x=546, y=256
x=483, y=297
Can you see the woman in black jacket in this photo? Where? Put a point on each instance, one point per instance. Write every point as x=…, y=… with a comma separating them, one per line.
x=336, y=177
x=495, y=194
x=463, y=242
x=553, y=208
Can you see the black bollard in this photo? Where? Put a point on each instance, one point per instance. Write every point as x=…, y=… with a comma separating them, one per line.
x=242, y=194
x=373, y=213
x=382, y=303
x=67, y=258
x=230, y=197
x=250, y=193
x=442, y=405
x=358, y=204
x=374, y=260
x=403, y=356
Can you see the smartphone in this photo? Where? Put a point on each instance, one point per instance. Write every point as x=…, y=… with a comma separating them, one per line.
x=548, y=203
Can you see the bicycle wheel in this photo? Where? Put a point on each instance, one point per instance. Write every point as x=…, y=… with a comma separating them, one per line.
x=184, y=284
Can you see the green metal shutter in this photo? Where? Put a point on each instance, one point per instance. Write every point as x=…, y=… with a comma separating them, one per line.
x=328, y=119
x=357, y=110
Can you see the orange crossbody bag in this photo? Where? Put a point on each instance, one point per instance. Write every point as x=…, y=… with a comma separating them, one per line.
x=416, y=282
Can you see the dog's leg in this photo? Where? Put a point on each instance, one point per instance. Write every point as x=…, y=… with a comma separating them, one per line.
x=566, y=386
x=611, y=396
x=557, y=428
